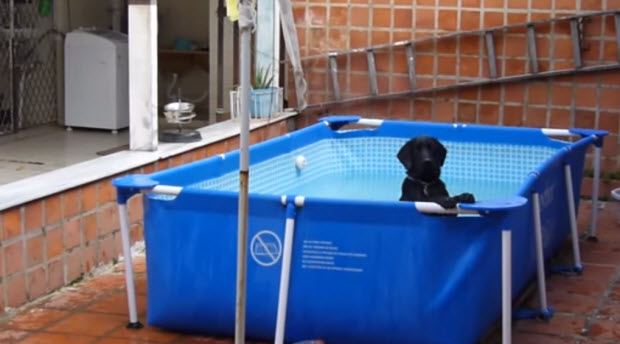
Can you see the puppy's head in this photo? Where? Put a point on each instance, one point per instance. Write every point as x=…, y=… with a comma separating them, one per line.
x=423, y=157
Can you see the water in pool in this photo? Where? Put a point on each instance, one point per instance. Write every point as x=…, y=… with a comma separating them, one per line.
x=388, y=187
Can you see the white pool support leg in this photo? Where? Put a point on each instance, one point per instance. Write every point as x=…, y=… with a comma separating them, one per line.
x=540, y=260
x=572, y=217
x=129, y=281
x=595, y=191
x=506, y=286
x=284, y=279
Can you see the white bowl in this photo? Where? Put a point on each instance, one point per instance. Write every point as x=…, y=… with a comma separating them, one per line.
x=179, y=107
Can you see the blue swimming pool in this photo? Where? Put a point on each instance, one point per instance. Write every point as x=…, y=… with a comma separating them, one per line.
x=365, y=268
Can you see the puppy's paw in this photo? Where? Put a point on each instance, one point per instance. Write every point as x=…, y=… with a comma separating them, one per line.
x=466, y=198
x=447, y=203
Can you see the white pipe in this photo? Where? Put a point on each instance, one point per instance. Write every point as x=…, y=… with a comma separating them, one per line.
x=557, y=132
x=572, y=214
x=506, y=287
x=131, y=292
x=539, y=252
x=166, y=190
x=595, y=191
x=284, y=280
x=434, y=208
x=370, y=122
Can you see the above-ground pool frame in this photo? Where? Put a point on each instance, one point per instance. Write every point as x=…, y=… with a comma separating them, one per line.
x=131, y=185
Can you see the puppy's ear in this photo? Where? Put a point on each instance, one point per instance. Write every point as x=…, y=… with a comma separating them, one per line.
x=405, y=155
x=441, y=152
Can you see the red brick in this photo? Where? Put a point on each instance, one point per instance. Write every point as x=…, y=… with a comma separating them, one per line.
x=446, y=65
x=337, y=39
x=471, y=3
x=403, y=18
x=534, y=338
x=72, y=234
x=107, y=250
x=493, y=19
x=565, y=4
x=89, y=258
x=53, y=211
x=12, y=223
x=71, y=203
x=14, y=258
x=55, y=274
x=542, y=4
x=517, y=3
x=610, y=98
x=422, y=110
x=514, y=92
x=54, y=242
x=536, y=117
x=517, y=18
x=425, y=19
x=466, y=113
x=444, y=112
x=558, y=325
x=16, y=291
x=89, y=196
x=34, y=251
x=108, y=220
x=562, y=95
x=37, y=285
x=382, y=17
x=470, y=20
x=380, y=37
x=538, y=93
x=494, y=3
x=513, y=115
x=447, y=20
x=107, y=193
x=609, y=121
x=490, y=93
x=560, y=119
x=89, y=225
x=563, y=48
x=360, y=17
x=338, y=16
x=584, y=119
x=74, y=265
x=586, y=97
x=358, y=39
x=34, y=216
x=447, y=46
x=470, y=45
x=318, y=15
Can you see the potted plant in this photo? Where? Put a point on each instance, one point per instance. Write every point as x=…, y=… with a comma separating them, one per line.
x=264, y=98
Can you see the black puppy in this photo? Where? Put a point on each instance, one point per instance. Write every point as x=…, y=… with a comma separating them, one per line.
x=423, y=157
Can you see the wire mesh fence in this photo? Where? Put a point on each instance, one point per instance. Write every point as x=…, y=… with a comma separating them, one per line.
x=28, y=58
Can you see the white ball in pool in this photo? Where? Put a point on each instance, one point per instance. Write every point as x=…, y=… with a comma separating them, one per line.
x=301, y=162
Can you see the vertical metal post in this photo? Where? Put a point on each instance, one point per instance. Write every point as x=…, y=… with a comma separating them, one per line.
x=372, y=72
x=617, y=25
x=246, y=15
x=12, y=95
x=491, y=54
x=531, y=48
x=506, y=286
x=539, y=252
x=595, y=192
x=572, y=216
x=575, y=34
x=411, y=65
x=333, y=72
x=129, y=281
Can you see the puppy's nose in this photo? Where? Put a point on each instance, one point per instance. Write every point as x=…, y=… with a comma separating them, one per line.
x=427, y=161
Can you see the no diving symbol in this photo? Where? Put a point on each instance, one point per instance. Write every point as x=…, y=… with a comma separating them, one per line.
x=266, y=248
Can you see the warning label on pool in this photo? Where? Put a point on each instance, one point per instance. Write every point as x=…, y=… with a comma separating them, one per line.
x=266, y=248
x=324, y=255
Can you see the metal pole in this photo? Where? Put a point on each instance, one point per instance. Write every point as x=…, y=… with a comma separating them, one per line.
x=572, y=216
x=11, y=64
x=245, y=27
x=131, y=292
x=506, y=287
x=285, y=273
x=539, y=252
x=595, y=191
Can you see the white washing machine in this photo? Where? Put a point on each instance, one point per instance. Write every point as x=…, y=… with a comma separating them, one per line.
x=96, y=80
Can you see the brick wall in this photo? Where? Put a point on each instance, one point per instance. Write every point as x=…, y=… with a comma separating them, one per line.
x=51, y=242
x=589, y=100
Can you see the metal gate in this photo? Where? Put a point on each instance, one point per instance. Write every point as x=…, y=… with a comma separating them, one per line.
x=27, y=65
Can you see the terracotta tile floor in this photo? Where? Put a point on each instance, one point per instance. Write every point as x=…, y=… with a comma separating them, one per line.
x=94, y=311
